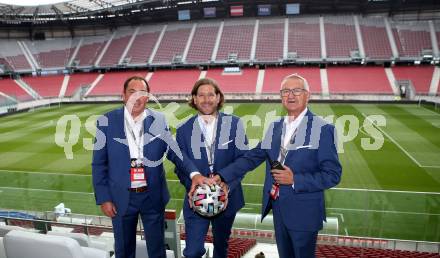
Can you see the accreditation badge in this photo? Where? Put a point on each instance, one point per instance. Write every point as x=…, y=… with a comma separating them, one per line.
x=137, y=171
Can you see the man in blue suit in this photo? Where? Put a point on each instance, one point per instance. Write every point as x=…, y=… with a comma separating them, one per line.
x=212, y=140
x=304, y=146
x=128, y=174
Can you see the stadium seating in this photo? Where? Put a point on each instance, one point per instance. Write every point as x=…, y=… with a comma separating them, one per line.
x=82, y=239
x=46, y=86
x=116, y=48
x=273, y=77
x=202, y=43
x=2, y=249
x=79, y=80
x=113, y=83
x=245, y=82
x=340, y=36
x=173, y=43
x=420, y=76
x=237, y=247
x=411, y=38
x=53, y=53
x=13, y=55
x=142, y=46
x=9, y=87
x=335, y=251
x=141, y=250
x=304, y=38
x=5, y=64
x=18, y=62
x=269, y=40
x=353, y=80
x=236, y=38
x=33, y=245
x=90, y=49
x=375, y=38
x=172, y=82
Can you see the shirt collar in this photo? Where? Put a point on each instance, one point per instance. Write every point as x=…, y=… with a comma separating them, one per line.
x=297, y=119
x=130, y=119
x=202, y=121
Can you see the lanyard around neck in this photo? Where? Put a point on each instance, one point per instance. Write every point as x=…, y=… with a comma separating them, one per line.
x=137, y=140
x=283, y=149
x=210, y=147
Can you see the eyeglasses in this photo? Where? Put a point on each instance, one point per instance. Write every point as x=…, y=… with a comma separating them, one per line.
x=295, y=92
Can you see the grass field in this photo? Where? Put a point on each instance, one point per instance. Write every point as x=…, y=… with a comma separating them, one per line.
x=392, y=192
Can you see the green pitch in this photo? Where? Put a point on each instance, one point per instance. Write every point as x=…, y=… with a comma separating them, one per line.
x=390, y=192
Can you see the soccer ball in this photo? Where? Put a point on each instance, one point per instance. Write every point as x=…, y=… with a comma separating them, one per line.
x=209, y=201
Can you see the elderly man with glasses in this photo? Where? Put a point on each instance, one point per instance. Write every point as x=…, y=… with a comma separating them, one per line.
x=301, y=162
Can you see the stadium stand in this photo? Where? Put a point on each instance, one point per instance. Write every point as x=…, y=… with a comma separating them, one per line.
x=273, y=77
x=13, y=55
x=11, y=88
x=173, y=43
x=375, y=38
x=340, y=36
x=335, y=251
x=112, y=83
x=53, y=53
x=176, y=81
x=89, y=50
x=237, y=246
x=82, y=239
x=45, y=86
x=420, y=76
x=411, y=38
x=269, y=43
x=304, y=37
x=79, y=80
x=143, y=44
x=2, y=249
x=116, y=48
x=437, y=32
x=141, y=250
x=4, y=65
x=236, y=38
x=203, y=43
x=45, y=246
x=371, y=80
x=243, y=82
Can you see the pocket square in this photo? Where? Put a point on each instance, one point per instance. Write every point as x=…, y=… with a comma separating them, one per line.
x=303, y=147
x=223, y=144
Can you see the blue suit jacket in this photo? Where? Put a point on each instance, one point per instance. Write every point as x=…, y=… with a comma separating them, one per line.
x=111, y=159
x=230, y=144
x=314, y=161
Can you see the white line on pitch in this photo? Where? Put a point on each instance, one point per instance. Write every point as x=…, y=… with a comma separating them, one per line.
x=394, y=141
x=252, y=204
x=40, y=172
x=384, y=191
x=386, y=211
x=243, y=184
x=43, y=190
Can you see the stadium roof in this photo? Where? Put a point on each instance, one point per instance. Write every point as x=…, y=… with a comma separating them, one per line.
x=60, y=7
x=25, y=11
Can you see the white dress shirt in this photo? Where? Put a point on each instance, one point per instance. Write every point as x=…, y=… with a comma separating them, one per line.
x=134, y=127
x=209, y=130
x=290, y=127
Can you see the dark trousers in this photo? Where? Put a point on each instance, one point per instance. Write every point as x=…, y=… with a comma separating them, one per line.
x=290, y=243
x=196, y=228
x=124, y=227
